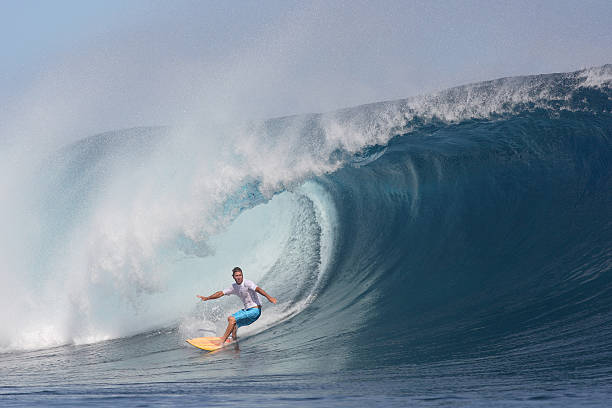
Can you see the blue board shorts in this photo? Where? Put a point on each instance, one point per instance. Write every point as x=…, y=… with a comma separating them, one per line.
x=244, y=317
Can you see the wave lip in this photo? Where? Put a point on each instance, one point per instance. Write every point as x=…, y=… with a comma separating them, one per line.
x=114, y=215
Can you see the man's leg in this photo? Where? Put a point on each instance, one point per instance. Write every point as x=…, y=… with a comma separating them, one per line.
x=235, y=333
x=231, y=327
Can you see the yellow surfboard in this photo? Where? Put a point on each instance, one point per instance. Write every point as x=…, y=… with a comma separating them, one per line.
x=206, y=343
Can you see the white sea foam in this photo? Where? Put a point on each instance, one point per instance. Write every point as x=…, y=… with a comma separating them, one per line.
x=129, y=232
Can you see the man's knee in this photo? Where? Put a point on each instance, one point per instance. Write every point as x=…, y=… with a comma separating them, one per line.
x=231, y=319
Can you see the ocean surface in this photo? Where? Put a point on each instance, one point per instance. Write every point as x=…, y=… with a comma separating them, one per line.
x=451, y=249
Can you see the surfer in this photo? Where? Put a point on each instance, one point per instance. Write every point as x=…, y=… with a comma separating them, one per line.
x=247, y=291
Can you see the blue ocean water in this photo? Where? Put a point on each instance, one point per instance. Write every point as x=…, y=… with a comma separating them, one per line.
x=447, y=250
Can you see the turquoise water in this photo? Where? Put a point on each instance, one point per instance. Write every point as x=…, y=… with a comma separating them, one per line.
x=449, y=250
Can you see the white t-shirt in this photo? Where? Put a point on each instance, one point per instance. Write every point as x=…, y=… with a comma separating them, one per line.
x=246, y=292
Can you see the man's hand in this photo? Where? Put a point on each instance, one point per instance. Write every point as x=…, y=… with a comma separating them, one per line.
x=263, y=293
x=215, y=295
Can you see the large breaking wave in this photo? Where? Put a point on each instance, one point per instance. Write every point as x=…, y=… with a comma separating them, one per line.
x=467, y=222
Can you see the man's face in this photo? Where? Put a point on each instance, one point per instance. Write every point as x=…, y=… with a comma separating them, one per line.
x=238, y=277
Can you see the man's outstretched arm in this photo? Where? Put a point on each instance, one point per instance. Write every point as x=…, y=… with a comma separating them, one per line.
x=215, y=295
x=263, y=293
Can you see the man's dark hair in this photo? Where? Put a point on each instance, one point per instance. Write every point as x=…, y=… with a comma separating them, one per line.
x=236, y=269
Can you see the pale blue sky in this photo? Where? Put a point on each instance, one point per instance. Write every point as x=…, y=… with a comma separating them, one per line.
x=113, y=64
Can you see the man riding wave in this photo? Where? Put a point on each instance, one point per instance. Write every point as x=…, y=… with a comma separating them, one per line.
x=247, y=291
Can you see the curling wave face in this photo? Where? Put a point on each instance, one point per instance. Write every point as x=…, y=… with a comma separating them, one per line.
x=461, y=223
